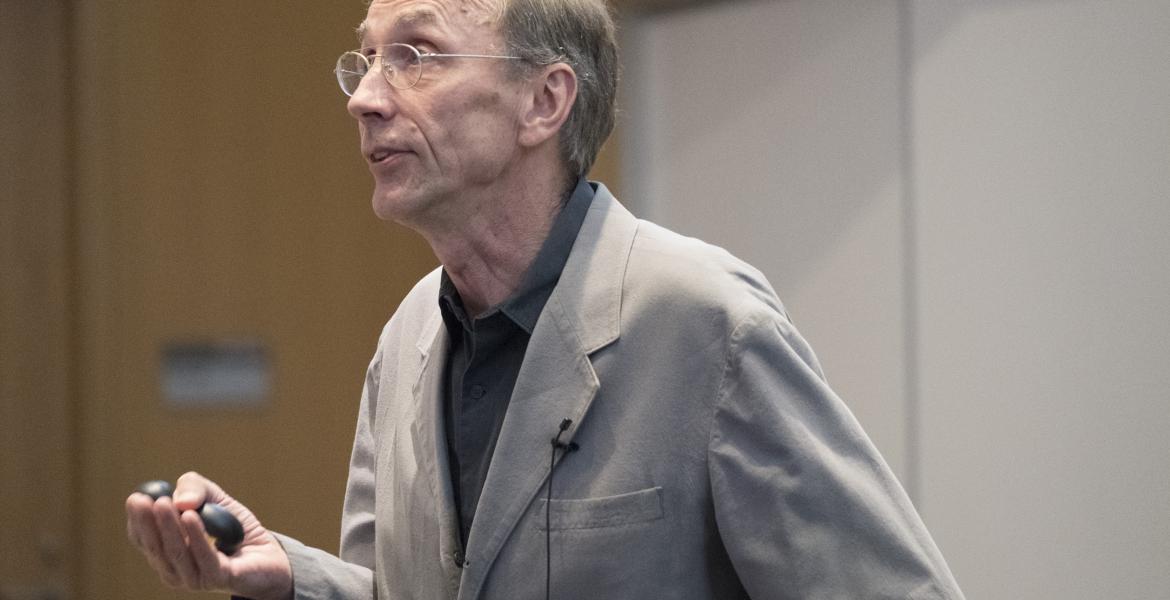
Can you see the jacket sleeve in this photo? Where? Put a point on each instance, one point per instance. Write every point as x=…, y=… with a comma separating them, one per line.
x=804, y=504
x=318, y=575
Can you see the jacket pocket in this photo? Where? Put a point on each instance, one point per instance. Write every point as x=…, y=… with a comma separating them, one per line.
x=595, y=513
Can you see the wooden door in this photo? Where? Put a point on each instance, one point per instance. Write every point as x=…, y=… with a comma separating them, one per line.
x=223, y=197
x=177, y=173
x=37, y=475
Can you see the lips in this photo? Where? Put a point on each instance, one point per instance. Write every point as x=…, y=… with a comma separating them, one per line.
x=379, y=154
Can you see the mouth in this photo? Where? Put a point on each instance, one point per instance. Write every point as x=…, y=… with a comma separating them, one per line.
x=383, y=155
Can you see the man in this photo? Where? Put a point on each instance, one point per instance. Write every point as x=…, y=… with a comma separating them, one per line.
x=578, y=404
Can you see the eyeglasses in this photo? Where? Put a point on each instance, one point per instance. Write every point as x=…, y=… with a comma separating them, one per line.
x=402, y=66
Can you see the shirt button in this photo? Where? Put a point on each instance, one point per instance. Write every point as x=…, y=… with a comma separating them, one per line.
x=477, y=392
x=458, y=557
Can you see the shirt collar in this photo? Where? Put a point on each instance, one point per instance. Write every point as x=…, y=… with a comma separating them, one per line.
x=525, y=305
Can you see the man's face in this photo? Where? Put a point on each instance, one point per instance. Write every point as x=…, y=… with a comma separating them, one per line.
x=455, y=131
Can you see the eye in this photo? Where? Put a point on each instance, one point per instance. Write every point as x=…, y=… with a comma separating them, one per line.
x=424, y=46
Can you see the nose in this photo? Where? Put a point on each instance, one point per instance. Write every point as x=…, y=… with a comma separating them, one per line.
x=373, y=98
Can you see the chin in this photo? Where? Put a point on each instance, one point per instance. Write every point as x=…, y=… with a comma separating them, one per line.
x=386, y=208
x=398, y=205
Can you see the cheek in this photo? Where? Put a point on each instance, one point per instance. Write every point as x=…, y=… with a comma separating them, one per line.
x=481, y=122
x=492, y=120
x=485, y=100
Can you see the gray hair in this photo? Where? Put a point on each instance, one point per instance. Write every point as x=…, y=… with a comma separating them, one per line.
x=582, y=34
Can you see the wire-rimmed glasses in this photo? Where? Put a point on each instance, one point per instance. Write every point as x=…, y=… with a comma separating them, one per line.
x=402, y=65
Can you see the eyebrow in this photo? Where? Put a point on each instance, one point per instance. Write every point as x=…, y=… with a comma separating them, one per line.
x=418, y=17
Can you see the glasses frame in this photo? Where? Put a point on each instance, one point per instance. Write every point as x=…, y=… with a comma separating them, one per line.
x=387, y=69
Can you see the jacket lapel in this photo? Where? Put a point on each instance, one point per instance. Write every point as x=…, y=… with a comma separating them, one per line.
x=556, y=381
x=430, y=440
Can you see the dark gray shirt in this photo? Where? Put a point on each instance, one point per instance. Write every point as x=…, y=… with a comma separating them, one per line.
x=486, y=353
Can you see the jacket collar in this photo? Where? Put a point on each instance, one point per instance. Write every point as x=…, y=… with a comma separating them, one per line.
x=430, y=442
x=590, y=289
x=556, y=382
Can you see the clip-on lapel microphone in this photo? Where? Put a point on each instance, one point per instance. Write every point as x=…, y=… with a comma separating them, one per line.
x=565, y=449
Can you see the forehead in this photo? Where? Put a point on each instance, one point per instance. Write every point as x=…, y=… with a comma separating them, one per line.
x=388, y=19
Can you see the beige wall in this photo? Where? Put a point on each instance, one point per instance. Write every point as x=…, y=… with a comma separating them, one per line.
x=963, y=203
x=1042, y=136
x=781, y=143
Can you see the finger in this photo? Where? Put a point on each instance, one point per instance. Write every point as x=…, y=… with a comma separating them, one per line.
x=174, y=542
x=142, y=529
x=206, y=558
x=141, y=526
x=133, y=507
x=191, y=491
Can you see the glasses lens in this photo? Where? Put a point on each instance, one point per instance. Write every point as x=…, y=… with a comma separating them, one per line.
x=351, y=68
x=402, y=64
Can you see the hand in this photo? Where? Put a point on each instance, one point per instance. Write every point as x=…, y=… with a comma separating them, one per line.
x=171, y=536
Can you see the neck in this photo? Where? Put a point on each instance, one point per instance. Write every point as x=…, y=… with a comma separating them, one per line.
x=487, y=248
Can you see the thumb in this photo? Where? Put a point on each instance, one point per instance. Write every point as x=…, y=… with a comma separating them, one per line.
x=193, y=489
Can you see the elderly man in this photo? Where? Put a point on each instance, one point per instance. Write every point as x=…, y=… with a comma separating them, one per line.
x=578, y=404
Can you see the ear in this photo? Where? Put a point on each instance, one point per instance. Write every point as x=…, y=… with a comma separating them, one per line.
x=550, y=96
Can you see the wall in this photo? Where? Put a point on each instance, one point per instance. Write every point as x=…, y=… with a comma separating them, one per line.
x=963, y=204
x=1042, y=144
x=781, y=143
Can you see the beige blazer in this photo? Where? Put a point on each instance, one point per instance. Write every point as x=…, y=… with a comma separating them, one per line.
x=713, y=460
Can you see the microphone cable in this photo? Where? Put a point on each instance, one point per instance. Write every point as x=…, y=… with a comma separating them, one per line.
x=552, y=459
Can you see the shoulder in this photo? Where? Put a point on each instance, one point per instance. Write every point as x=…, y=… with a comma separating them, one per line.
x=685, y=293
x=674, y=272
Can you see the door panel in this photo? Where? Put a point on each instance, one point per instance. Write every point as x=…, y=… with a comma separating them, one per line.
x=37, y=556
x=224, y=198
x=178, y=173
